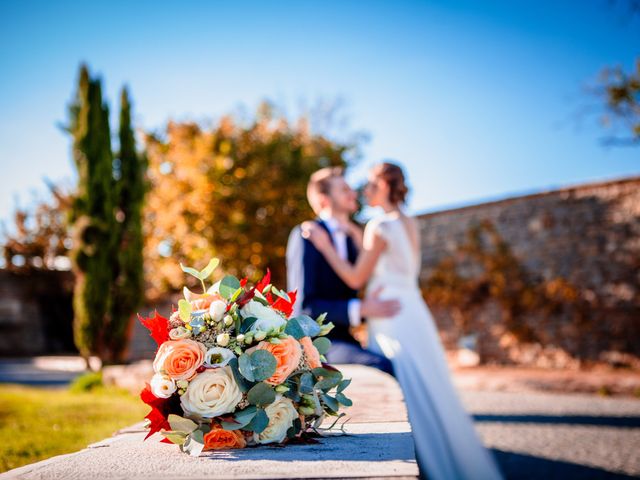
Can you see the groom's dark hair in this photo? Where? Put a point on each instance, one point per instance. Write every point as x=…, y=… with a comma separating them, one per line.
x=320, y=184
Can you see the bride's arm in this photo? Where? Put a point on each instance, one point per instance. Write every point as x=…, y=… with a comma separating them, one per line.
x=355, y=276
x=355, y=232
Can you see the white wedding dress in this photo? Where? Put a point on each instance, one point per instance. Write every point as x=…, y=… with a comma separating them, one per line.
x=447, y=446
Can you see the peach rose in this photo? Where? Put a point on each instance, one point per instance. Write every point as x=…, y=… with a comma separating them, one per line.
x=200, y=301
x=179, y=359
x=205, y=301
x=288, y=354
x=219, y=438
x=311, y=353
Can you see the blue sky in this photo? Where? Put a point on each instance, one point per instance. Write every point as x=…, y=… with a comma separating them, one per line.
x=477, y=99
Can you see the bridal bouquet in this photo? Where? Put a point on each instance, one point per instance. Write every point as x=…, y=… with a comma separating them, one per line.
x=234, y=369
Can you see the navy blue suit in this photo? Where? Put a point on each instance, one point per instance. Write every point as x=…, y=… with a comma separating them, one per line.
x=324, y=291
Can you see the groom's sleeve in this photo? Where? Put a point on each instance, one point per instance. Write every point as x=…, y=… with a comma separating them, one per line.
x=337, y=310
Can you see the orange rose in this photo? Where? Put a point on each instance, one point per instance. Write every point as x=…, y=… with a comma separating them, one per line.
x=203, y=301
x=311, y=353
x=288, y=354
x=179, y=359
x=219, y=439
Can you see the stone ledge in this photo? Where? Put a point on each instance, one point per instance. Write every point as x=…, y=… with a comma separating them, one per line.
x=379, y=444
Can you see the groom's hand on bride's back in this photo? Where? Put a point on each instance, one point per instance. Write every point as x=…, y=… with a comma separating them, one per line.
x=374, y=306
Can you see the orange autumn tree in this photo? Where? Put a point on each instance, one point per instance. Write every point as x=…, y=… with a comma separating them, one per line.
x=233, y=191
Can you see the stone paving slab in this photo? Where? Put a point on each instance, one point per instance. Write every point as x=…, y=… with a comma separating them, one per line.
x=370, y=450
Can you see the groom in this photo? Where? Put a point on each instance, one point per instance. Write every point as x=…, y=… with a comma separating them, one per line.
x=319, y=287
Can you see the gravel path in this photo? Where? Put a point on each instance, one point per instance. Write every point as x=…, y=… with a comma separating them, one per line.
x=540, y=435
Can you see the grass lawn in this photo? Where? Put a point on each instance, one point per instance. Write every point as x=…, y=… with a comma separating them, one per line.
x=38, y=423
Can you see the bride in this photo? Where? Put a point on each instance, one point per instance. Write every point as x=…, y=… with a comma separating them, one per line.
x=446, y=444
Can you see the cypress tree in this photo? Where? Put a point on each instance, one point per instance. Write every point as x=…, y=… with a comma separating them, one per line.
x=93, y=216
x=128, y=284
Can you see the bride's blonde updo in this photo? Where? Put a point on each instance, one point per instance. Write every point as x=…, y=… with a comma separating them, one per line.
x=393, y=176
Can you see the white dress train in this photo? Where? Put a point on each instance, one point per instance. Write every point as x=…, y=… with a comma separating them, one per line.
x=447, y=446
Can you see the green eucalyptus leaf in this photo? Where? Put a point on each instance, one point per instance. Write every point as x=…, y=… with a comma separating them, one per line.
x=208, y=270
x=293, y=395
x=180, y=424
x=343, y=384
x=175, y=437
x=327, y=379
x=242, y=419
x=322, y=344
x=306, y=383
x=245, y=367
x=204, y=428
x=295, y=428
x=302, y=326
x=228, y=286
x=243, y=384
x=261, y=395
x=259, y=422
x=247, y=323
x=184, y=310
x=263, y=364
x=191, y=271
x=330, y=402
x=340, y=397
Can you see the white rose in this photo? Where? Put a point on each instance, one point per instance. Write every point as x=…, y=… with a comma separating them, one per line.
x=218, y=357
x=217, y=309
x=178, y=333
x=281, y=415
x=267, y=317
x=211, y=393
x=162, y=386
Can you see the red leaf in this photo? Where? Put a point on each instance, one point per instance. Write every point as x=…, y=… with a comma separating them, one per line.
x=329, y=367
x=266, y=280
x=283, y=305
x=159, y=411
x=158, y=326
x=147, y=396
x=246, y=297
x=158, y=422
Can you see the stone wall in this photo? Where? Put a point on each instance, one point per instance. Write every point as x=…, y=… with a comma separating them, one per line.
x=588, y=236
x=36, y=313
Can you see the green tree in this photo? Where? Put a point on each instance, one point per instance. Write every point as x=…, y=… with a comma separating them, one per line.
x=128, y=280
x=93, y=215
x=233, y=191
